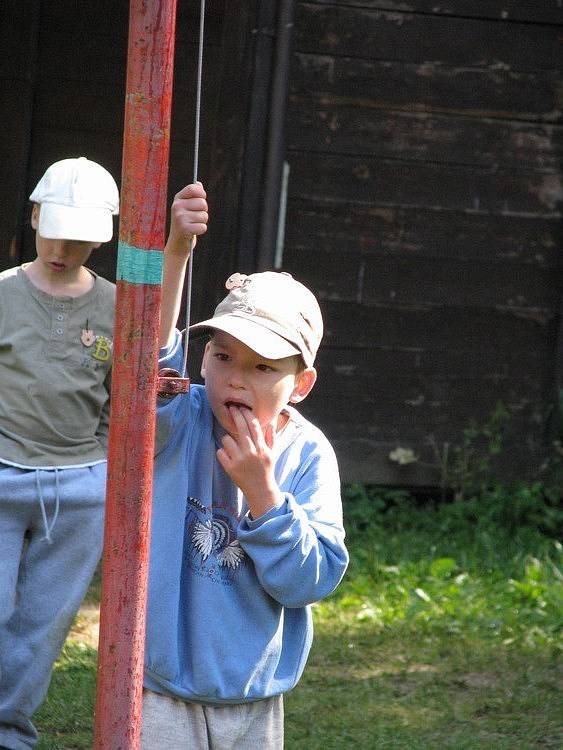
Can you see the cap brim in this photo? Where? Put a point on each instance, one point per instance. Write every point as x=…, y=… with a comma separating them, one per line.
x=58, y=222
x=257, y=337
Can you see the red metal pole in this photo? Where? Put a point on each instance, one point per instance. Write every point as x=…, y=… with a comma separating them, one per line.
x=132, y=420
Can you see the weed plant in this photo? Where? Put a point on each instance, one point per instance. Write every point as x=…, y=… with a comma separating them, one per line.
x=490, y=564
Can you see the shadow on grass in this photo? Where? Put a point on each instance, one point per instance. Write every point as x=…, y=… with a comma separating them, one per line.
x=364, y=688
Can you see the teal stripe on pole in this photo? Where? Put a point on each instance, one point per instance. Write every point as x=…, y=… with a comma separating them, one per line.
x=138, y=266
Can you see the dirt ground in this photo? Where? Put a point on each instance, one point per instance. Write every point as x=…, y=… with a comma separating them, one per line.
x=86, y=626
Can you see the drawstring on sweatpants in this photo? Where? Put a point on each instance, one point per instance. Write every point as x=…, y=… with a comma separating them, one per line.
x=48, y=527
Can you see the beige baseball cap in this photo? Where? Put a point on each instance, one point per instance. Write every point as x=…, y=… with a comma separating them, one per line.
x=78, y=198
x=272, y=313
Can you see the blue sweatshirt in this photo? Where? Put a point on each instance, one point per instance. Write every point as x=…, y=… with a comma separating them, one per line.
x=228, y=617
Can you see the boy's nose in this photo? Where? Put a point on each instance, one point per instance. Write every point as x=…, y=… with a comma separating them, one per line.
x=236, y=380
x=60, y=247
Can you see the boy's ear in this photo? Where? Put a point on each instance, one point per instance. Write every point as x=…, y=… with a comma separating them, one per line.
x=303, y=385
x=204, y=360
x=35, y=216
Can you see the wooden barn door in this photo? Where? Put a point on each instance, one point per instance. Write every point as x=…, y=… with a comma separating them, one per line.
x=425, y=194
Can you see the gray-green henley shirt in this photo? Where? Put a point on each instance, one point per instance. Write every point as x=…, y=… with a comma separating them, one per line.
x=55, y=361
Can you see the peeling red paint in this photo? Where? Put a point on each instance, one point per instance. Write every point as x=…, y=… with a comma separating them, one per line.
x=132, y=420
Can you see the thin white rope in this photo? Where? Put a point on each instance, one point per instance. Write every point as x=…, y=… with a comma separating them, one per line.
x=196, y=165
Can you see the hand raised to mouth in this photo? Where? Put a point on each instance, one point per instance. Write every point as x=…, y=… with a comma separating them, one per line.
x=237, y=405
x=247, y=458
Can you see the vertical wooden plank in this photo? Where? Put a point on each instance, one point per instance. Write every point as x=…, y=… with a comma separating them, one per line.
x=19, y=20
x=225, y=241
x=254, y=160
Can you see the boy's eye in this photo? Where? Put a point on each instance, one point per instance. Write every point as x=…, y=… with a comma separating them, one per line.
x=221, y=356
x=265, y=368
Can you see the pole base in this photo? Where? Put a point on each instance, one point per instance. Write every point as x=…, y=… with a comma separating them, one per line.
x=170, y=383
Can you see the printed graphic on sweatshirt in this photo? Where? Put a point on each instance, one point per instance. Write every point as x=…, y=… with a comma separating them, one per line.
x=211, y=547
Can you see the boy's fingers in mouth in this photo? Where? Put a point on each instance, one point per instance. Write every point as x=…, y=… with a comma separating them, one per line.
x=237, y=405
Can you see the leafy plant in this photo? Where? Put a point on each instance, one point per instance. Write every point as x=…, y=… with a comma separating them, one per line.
x=464, y=467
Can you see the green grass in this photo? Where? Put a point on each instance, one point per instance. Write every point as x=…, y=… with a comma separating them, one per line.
x=65, y=719
x=446, y=633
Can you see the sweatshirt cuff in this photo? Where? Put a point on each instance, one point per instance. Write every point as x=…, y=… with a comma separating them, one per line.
x=171, y=356
x=277, y=510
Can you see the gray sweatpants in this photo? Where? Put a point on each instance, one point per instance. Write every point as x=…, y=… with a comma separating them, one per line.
x=51, y=531
x=177, y=725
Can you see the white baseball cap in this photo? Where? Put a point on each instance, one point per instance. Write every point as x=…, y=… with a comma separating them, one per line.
x=272, y=313
x=78, y=198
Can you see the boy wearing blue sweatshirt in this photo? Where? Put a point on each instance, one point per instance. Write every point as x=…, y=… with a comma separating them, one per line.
x=247, y=519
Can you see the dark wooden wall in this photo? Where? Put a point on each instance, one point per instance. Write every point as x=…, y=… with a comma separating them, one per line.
x=424, y=143
x=19, y=24
x=62, y=80
x=425, y=195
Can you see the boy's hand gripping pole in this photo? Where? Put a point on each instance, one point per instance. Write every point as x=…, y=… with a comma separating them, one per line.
x=170, y=382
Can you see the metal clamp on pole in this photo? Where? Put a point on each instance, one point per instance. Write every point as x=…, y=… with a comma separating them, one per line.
x=170, y=383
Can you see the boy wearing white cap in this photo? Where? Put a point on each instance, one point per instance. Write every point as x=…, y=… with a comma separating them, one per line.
x=247, y=520
x=56, y=327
